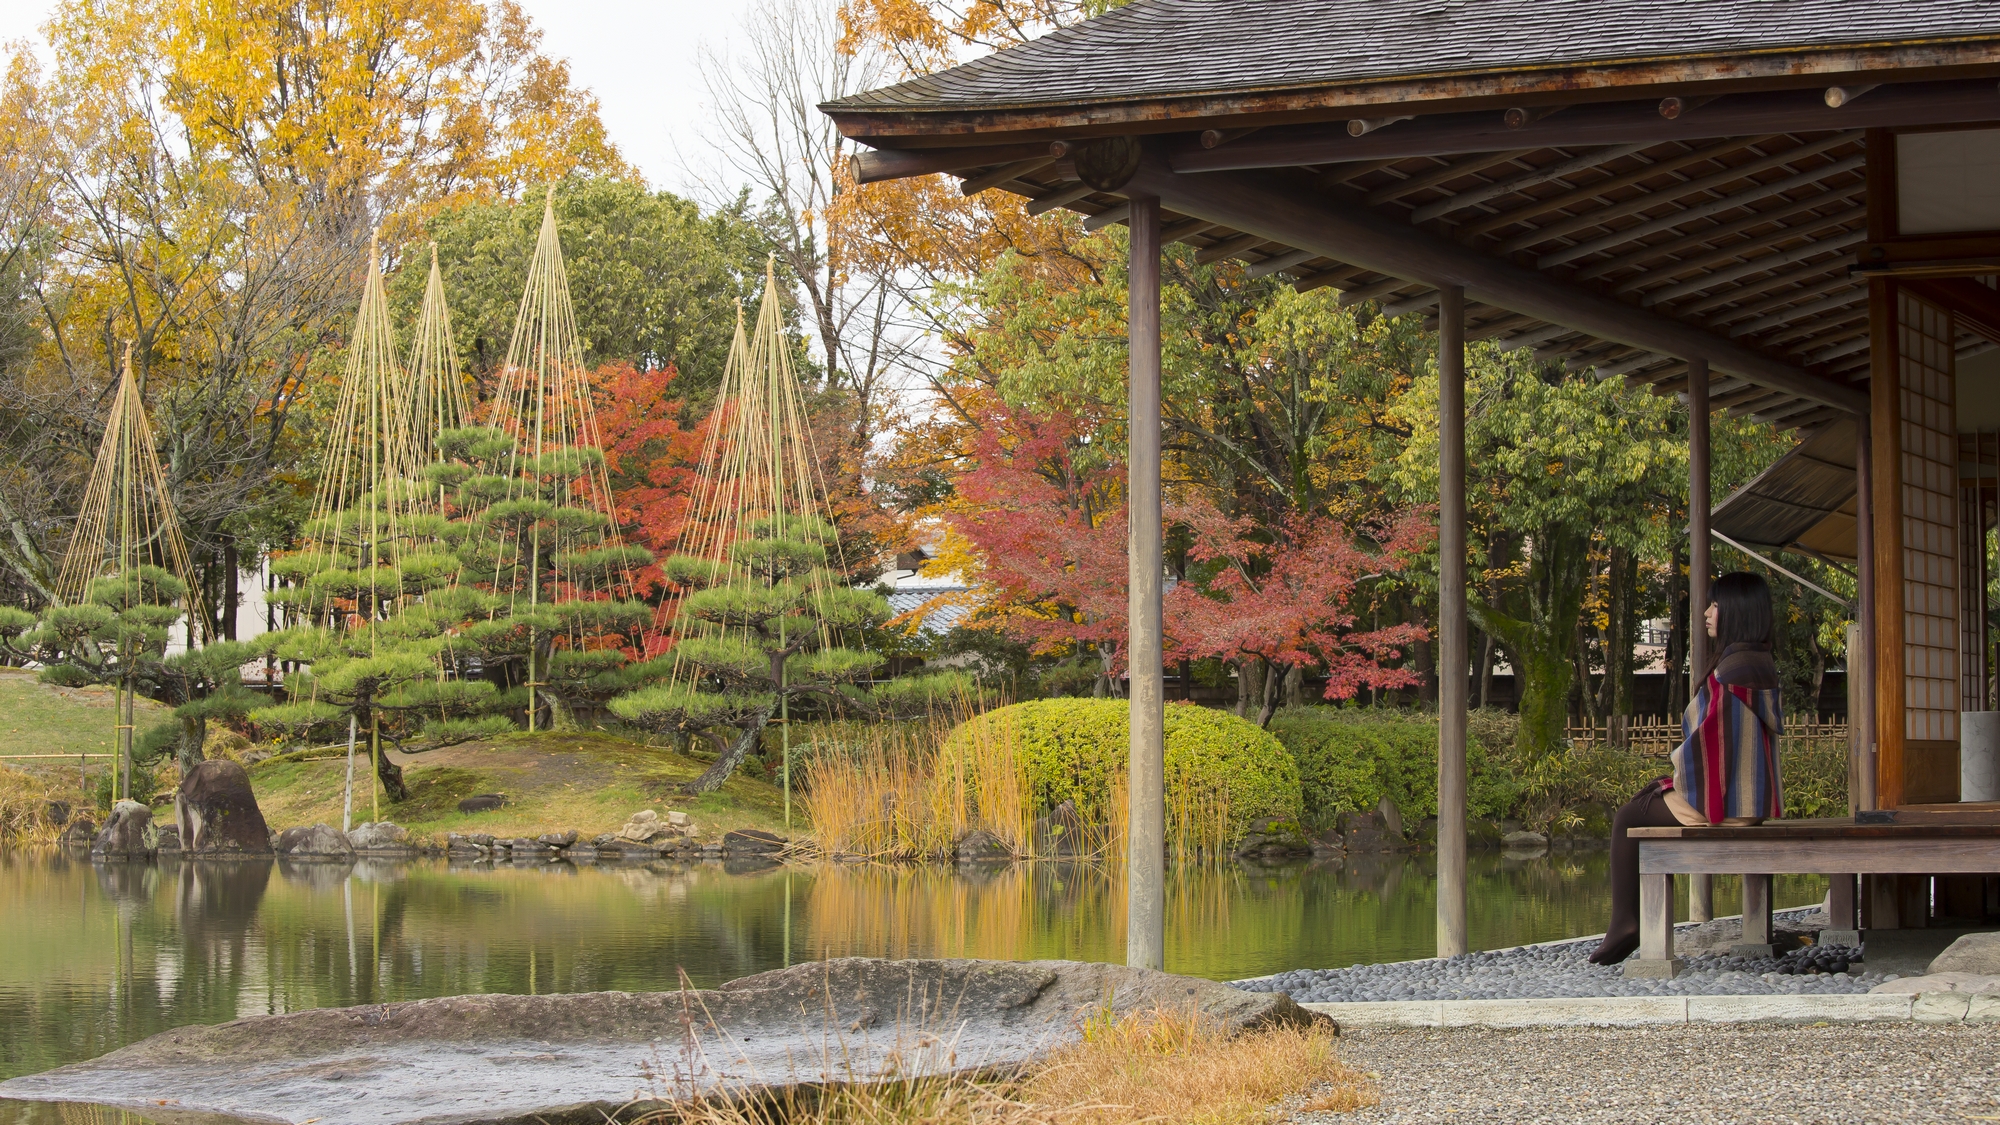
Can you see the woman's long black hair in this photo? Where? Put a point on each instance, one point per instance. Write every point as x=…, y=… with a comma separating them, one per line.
x=1743, y=610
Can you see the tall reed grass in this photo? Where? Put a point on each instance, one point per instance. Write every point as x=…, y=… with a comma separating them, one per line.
x=27, y=801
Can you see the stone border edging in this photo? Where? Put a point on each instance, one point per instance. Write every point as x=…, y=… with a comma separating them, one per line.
x=1665, y=1011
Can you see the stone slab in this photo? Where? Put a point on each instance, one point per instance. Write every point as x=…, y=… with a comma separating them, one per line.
x=1653, y=968
x=573, y=1059
x=1575, y=1011
x=1940, y=1007
x=1386, y=1013
x=1865, y=1008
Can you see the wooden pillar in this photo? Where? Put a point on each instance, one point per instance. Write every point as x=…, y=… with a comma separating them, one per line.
x=1861, y=656
x=1145, y=911
x=1886, y=479
x=1453, y=661
x=1701, y=888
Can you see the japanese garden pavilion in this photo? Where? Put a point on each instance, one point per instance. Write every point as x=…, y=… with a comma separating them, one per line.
x=1786, y=209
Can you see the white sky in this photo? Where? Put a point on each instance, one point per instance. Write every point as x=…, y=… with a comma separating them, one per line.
x=639, y=56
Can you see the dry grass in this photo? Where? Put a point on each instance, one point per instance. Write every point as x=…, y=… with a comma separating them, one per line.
x=1148, y=1067
x=25, y=803
x=895, y=793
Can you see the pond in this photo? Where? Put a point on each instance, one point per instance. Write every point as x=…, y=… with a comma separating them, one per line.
x=100, y=955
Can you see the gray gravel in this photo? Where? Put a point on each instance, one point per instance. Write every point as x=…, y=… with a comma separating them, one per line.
x=1542, y=971
x=1866, y=1074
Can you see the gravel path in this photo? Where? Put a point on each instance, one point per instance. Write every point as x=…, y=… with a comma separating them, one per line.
x=1541, y=971
x=1844, y=1075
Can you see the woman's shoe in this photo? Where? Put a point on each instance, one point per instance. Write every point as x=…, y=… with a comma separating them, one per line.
x=1614, y=949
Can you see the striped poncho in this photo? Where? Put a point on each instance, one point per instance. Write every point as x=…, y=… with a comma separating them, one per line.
x=1727, y=762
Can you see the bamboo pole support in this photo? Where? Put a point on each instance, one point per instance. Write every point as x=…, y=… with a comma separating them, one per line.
x=1145, y=911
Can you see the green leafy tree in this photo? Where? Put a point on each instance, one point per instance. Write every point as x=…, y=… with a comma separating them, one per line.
x=1558, y=466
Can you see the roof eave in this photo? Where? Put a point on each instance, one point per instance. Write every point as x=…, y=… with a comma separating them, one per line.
x=1443, y=92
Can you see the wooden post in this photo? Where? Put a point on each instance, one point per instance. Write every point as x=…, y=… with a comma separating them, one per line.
x=1756, y=940
x=1656, y=929
x=1843, y=904
x=1701, y=888
x=1145, y=910
x=1452, y=663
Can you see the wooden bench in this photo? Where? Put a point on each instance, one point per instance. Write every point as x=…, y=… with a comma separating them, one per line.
x=1934, y=840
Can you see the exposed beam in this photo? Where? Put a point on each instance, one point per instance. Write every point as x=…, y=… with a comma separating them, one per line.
x=1646, y=201
x=1382, y=288
x=1823, y=283
x=1299, y=217
x=1717, y=233
x=895, y=164
x=1432, y=177
x=1839, y=300
x=1605, y=123
x=1005, y=172
x=1058, y=197
x=1648, y=169
x=1116, y=213
x=1512, y=184
x=1755, y=265
x=1812, y=273
x=1229, y=248
x=1325, y=278
x=1283, y=261
x=1976, y=307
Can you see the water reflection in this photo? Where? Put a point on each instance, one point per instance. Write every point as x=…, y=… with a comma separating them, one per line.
x=102, y=955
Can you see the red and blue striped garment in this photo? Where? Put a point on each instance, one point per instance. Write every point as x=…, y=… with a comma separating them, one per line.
x=1727, y=762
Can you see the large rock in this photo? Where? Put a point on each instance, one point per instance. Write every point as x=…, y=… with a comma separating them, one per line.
x=981, y=846
x=482, y=802
x=218, y=812
x=752, y=841
x=1369, y=832
x=1063, y=831
x=1273, y=836
x=82, y=831
x=563, y=1058
x=1971, y=953
x=558, y=840
x=643, y=827
x=125, y=835
x=314, y=841
x=380, y=836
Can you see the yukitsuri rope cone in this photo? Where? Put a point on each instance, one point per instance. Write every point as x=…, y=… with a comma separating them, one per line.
x=437, y=399
x=558, y=558
x=127, y=540
x=765, y=601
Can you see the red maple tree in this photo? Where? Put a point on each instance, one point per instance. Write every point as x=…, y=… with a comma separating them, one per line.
x=1044, y=513
x=652, y=461
x=1286, y=595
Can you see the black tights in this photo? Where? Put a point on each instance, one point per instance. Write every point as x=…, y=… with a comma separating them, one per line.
x=1647, y=810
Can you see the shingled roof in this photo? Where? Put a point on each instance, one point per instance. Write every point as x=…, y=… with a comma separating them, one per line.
x=1163, y=50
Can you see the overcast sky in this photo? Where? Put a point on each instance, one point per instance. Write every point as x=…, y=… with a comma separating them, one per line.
x=640, y=57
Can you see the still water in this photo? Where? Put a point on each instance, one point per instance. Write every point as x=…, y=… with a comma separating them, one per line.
x=95, y=956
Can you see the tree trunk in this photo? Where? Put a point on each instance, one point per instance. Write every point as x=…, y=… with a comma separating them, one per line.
x=1586, y=698
x=231, y=593
x=1295, y=686
x=1273, y=687
x=1249, y=684
x=391, y=775
x=1485, y=669
x=1619, y=661
x=1677, y=638
x=712, y=778
x=1541, y=635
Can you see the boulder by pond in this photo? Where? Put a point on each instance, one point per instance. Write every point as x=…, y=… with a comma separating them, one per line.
x=314, y=841
x=218, y=812
x=569, y=1058
x=752, y=842
x=482, y=802
x=125, y=835
x=380, y=836
x=1970, y=953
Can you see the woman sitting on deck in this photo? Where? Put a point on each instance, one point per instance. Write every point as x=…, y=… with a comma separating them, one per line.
x=1726, y=769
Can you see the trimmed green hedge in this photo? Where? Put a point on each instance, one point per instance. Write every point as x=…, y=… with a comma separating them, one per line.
x=1222, y=772
x=1349, y=758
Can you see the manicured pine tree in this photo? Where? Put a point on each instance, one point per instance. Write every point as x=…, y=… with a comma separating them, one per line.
x=767, y=612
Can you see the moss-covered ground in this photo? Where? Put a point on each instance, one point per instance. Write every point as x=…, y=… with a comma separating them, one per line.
x=553, y=781
x=38, y=719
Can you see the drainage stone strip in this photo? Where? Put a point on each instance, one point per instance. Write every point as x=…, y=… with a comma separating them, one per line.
x=1654, y=1011
x=1560, y=970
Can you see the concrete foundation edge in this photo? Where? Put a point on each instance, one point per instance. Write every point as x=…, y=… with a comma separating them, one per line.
x=1663, y=1011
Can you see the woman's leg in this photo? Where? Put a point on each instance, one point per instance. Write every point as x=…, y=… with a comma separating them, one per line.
x=1647, y=810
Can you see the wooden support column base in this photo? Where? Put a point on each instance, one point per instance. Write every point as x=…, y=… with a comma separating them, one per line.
x=1656, y=958
x=1842, y=927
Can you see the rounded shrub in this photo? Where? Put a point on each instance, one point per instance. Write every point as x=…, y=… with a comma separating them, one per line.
x=1222, y=772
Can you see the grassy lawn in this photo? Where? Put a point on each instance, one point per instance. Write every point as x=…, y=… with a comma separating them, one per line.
x=38, y=719
x=553, y=781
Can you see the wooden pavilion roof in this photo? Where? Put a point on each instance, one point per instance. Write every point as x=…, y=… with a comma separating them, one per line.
x=1618, y=184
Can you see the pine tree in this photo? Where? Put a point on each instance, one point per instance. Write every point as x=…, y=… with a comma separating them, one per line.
x=767, y=612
